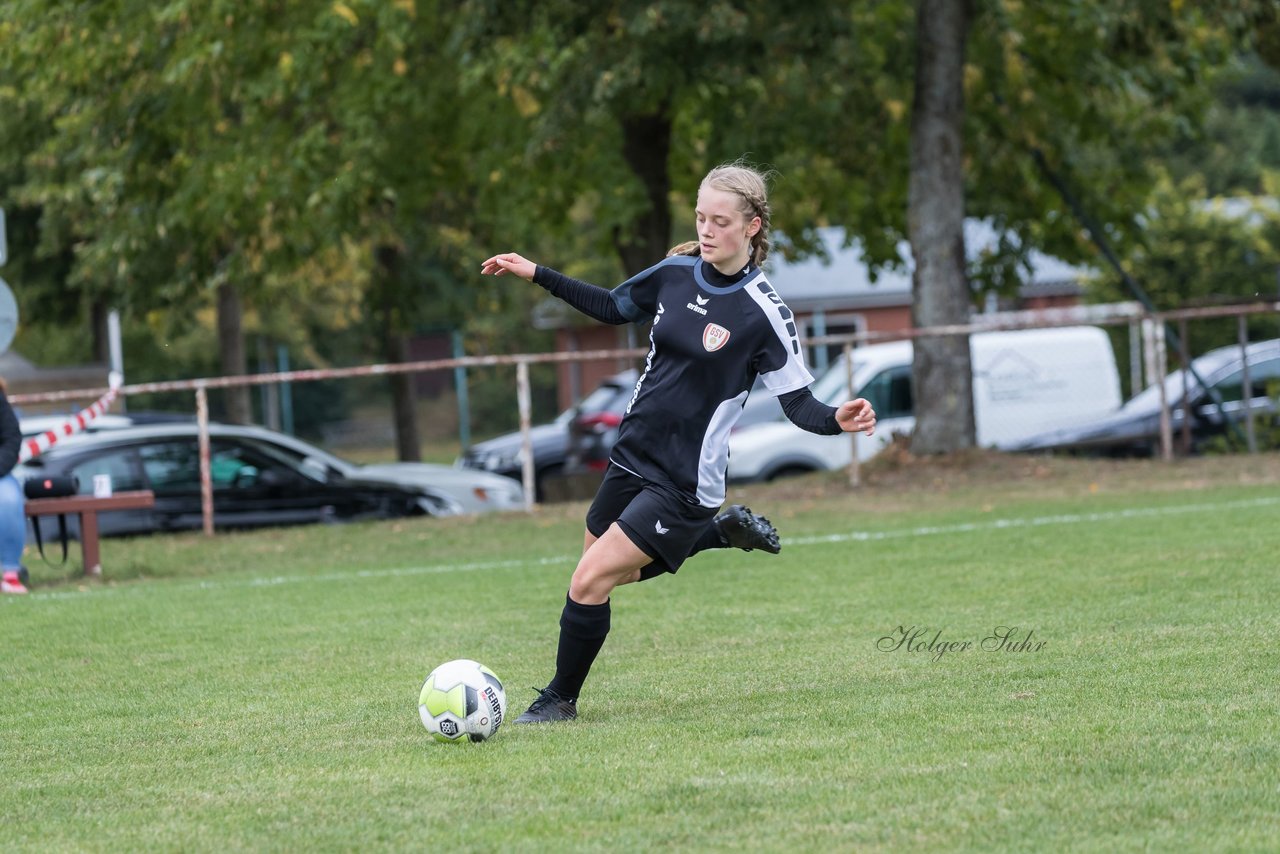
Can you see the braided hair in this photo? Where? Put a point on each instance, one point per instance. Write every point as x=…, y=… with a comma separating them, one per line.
x=753, y=195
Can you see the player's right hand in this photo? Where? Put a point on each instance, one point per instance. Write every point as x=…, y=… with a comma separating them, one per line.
x=510, y=262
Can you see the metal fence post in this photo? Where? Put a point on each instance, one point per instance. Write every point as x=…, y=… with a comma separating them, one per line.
x=855, y=464
x=1185, y=360
x=1161, y=369
x=206, y=473
x=526, y=438
x=1135, y=358
x=460, y=389
x=1246, y=385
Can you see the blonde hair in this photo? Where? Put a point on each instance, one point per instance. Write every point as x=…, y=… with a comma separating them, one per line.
x=749, y=186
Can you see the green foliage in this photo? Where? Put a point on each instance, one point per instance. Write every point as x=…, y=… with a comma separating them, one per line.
x=152, y=152
x=277, y=147
x=1197, y=251
x=790, y=91
x=1098, y=88
x=1239, y=140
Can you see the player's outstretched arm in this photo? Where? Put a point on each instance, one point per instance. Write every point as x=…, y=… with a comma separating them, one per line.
x=509, y=262
x=587, y=298
x=856, y=416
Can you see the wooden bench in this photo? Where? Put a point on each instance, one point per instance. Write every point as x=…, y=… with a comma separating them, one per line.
x=87, y=507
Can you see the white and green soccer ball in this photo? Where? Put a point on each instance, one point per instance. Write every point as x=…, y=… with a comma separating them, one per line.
x=462, y=700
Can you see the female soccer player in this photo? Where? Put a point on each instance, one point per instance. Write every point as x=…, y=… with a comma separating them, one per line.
x=717, y=325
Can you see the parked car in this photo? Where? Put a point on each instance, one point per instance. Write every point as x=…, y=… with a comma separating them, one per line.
x=1023, y=382
x=1134, y=430
x=472, y=491
x=502, y=455
x=260, y=477
x=35, y=425
x=592, y=434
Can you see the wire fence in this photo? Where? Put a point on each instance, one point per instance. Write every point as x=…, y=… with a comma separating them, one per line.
x=1142, y=345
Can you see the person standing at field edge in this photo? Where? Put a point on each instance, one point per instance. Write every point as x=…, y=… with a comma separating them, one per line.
x=717, y=325
x=13, y=521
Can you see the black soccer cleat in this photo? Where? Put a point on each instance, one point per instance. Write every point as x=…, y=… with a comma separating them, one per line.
x=549, y=707
x=742, y=529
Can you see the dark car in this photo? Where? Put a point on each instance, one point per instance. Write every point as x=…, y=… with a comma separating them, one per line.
x=592, y=434
x=1134, y=429
x=255, y=483
x=501, y=455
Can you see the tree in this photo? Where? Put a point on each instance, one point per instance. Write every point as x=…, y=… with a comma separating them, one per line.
x=1076, y=94
x=941, y=375
x=345, y=164
x=296, y=165
x=630, y=102
x=149, y=157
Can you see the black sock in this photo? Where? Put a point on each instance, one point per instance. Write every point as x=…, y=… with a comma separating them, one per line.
x=583, y=629
x=710, y=539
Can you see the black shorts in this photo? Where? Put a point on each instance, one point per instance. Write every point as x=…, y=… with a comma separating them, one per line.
x=654, y=517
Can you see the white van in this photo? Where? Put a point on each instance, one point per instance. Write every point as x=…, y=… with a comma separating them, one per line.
x=1024, y=382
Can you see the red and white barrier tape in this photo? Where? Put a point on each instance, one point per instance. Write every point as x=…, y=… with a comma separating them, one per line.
x=37, y=445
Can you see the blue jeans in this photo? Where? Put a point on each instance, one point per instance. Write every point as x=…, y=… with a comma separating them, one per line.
x=13, y=523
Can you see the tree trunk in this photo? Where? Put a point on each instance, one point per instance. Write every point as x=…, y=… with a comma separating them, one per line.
x=395, y=339
x=232, y=353
x=646, y=144
x=941, y=373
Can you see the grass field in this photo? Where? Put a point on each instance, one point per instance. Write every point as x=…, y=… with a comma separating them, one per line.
x=257, y=691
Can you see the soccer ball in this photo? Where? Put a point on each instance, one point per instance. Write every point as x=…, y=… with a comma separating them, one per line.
x=462, y=700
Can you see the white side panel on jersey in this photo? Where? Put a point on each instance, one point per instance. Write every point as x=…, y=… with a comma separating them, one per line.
x=794, y=374
x=714, y=457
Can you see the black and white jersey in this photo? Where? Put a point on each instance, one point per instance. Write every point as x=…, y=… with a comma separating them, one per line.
x=712, y=335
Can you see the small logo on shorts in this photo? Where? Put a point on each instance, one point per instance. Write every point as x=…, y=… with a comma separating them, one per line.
x=657, y=526
x=714, y=337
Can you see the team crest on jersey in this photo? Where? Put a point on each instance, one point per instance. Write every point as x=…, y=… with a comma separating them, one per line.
x=714, y=337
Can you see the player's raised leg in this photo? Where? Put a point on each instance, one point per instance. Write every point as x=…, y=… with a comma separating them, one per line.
x=737, y=527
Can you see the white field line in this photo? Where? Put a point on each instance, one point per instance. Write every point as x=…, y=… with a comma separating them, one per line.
x=1034, y=522
x=567, y=560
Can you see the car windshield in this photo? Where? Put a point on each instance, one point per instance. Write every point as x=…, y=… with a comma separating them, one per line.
x=833, y=385
x=1149, y=398
x=301, y=453
x=597, y=401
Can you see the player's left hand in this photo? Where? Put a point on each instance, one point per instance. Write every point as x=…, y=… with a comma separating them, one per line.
x=856, y=416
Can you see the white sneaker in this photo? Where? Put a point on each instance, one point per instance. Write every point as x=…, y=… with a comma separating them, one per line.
x=11, y=583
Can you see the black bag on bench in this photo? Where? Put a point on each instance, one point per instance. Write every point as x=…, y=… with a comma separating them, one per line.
x=58, y=486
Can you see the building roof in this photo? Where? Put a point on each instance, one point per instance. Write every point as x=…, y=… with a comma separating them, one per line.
x=843, y=278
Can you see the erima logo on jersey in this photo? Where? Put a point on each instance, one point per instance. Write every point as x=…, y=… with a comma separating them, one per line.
x=699, y=309
x=657, y=526
x=702, y=300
